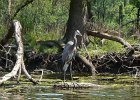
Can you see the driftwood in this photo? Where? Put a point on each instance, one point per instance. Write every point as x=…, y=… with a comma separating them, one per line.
x=19, y=65
x=76, y=86
x=130, y=49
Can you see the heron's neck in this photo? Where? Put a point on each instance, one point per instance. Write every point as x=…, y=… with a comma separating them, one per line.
x=75, y=41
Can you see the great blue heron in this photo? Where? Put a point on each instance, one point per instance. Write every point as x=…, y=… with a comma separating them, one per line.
x=69, y=53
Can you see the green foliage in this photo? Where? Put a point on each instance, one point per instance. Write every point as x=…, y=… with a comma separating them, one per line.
x=46, y=19
x=111, y=46
x=41, y=20
x=136, y=3
x=107, y=47
x=107, y=13
x=31, y=39
x=42, y=16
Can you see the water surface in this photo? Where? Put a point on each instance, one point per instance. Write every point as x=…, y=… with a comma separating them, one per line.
x=45, y=93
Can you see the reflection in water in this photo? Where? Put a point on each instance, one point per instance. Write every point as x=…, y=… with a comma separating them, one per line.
x=41, y=93
x=48, y=96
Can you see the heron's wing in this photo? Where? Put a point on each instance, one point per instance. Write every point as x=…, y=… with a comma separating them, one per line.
x=68, y=52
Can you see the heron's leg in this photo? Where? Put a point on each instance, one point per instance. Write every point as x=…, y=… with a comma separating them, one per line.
x=64, y=76
x=71, y=71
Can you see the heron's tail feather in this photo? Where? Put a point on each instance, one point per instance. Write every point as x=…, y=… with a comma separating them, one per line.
x=66, y=65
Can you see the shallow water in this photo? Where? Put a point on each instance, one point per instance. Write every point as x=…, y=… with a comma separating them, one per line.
x=44, y=93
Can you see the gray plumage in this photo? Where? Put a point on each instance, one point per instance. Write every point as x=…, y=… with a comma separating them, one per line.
x=69, y=52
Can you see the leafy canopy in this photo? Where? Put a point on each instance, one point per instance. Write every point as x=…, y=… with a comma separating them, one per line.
x=136, y=3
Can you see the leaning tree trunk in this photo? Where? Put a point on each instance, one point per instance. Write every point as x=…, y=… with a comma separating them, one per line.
x=19, y=65
x=89, y=12
x=77, y=18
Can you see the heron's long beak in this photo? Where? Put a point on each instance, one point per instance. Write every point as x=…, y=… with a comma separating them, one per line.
x=78, y=33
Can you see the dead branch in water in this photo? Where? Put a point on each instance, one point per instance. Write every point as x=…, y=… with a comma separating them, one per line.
x=20, y=52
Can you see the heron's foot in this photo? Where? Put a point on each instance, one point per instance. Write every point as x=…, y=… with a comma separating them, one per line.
x=18, y=83
x=64, y=85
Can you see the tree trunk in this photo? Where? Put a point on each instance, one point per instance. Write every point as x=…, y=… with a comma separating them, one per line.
x=104, y=10
x=125, y=2
x=120, y=15
x=9, y=13
x=89, y=13
x=77, y=18
x=138, y=16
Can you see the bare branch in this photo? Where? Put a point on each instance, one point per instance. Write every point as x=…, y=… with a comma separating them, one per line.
x=21, y=7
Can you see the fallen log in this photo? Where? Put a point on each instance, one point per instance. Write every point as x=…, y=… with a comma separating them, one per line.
x=76, y=86
x=129, y=48
x=19, y=65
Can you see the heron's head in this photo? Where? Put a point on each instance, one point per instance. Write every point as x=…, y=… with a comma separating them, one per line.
x=77, y=32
